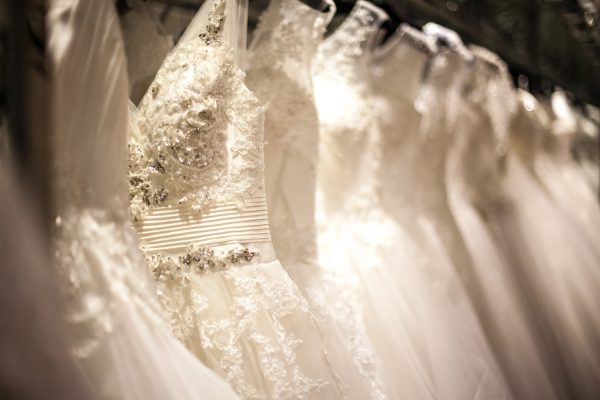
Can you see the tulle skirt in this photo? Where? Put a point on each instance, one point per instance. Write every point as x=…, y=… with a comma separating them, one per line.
x=250, y=324
x=558, y=275
x=425, y=335
x=517, y=344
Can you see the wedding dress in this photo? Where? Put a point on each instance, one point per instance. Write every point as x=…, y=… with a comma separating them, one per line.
x=476, y=199
x=554, y=270
x=562, y=177
x=122, y=343
x=35, y=345
x=280, y=59
x=197, y=195
x=414, y=196
x=368, y=248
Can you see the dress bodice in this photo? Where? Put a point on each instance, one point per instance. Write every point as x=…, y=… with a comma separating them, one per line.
x=416, y=143
x=281, y=57
x=482, y=135
x=397, y=74
x=198, y=163
x=349, y=137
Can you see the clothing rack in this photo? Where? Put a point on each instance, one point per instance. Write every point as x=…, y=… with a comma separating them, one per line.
x=529, y=58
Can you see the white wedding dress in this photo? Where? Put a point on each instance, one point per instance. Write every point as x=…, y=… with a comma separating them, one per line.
x=280, y=58
x=555, y=267
x=198, y=198
x=122, y=343
x=477, y=201
x=412, y=188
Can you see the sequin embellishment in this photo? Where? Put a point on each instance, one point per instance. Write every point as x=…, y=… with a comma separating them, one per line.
x=197, y=260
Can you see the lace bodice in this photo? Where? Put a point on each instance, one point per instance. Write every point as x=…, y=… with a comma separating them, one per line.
x=202, y=130
x=281, y=58
x=349, y=139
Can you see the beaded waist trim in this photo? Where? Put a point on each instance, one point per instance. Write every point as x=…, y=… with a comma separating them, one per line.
x=198, y=259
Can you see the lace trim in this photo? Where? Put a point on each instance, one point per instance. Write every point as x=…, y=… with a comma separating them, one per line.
x=287, y=36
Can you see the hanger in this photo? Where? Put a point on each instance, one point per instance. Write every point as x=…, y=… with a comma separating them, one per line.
x=319, y=5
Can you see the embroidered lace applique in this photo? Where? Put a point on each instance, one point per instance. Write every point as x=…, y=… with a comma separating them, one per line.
x=254, y=296
x=188, y=152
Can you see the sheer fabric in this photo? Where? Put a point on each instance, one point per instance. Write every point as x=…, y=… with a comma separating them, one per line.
x=146, y=45
x=560, y=297
x=197, y=190
x=120, y=338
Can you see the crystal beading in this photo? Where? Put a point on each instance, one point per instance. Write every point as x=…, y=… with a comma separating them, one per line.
x=197, y=259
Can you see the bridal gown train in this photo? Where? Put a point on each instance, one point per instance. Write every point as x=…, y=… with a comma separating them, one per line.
x=122, y=343
x=198, y=198
x=280, y=58
x=412, y=192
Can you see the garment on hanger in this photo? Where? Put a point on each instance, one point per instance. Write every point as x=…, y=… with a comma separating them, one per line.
x=197, y=194
x=359, y=242
x=412, y=188
x=474, y=186
x=280, y=59
x=122, y=343
x=545, y=246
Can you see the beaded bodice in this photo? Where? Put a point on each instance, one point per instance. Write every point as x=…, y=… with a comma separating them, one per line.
x=201, y=130
x=281, y=57
x=349, y=134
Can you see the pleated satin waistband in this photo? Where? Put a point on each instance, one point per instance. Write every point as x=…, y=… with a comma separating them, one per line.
x=175, y=228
